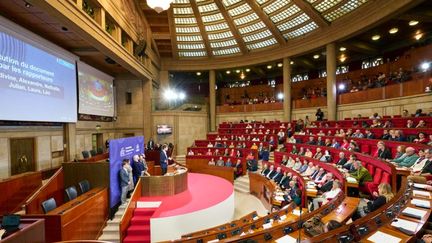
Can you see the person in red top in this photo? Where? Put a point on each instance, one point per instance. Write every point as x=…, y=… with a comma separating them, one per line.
x=345, y=144
x=209, y=153
x=421, y=138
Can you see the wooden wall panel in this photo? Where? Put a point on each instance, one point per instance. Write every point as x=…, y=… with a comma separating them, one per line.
x=97, y=173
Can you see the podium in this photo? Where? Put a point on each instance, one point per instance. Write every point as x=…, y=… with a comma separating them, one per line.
x=174, y=182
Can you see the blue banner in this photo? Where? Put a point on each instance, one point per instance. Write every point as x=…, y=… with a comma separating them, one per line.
x=119, y=149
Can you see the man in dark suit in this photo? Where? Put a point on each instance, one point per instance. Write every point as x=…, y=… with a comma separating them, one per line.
x=164, y=159
x=265, y=170
x=271, y=173
x=327, y=184
x=311, y=141
x=278, y=176
x=150, y=144
x=137, y=168
x=124, y=180
x=342, y=160
x=320, y=142
x=284, y=182
x=369, y=134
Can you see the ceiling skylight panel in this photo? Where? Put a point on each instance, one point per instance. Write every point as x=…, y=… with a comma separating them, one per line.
x=181, y=1
x=212, y=18
x=311, y=1
x=326, y=4
x=226, y=51
x=301, y=31
x=261, y=2
x=185, y=20
x=182, y=11
x=239, y=10
x=275, y=6
x=293, y=22
x=207, y=8
x=189, y=38
x=285, y=14
x=257, y=36
x=228, y=3
x=190, y=46
x=219, y=44
x=251, y=28
x=216, y=27
x=262, y=44
x=187, y=29
x=248, y=18
x=192, y=53
x=218, y=36
x=344, y=9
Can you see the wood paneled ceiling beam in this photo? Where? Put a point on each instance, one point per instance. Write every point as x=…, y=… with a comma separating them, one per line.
x=266, y=20
x=201, y=27
x=172, y=33
x=312, y=13
x=232, y=27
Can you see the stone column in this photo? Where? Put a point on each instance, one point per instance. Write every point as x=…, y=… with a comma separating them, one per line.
x=147, y=90
x=212, y=98
x=287, y=89
x=331, y=81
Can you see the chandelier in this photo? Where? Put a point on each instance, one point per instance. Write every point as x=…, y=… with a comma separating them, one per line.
x=159, y=5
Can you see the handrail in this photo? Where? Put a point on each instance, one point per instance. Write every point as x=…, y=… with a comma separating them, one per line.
x=59, y=170
x=130, y=207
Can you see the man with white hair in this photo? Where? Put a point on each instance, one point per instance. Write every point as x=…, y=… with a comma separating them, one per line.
x=408, y=160
x=327, y=196
x=360, y=173
x=278, y=175
x=420, y=170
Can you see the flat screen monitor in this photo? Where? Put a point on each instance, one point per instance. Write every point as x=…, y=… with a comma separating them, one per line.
x=163, y=129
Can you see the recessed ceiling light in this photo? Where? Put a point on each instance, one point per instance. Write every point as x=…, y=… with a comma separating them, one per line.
x=342, y=48
x=413, y=22
x=280, y=64
x=393, y=30
x=292, y=62
x=228, y=72
x=238, y=71
x=342, y=58
x=316, y=56
x=27, y=5
x=376, y=37
x=247, y=70
x=418, y=35
x=269, y=66
x=198, y=73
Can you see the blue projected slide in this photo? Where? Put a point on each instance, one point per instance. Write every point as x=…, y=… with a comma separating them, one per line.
x=35, y=85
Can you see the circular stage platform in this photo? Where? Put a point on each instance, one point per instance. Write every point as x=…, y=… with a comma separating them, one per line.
x=209, y=201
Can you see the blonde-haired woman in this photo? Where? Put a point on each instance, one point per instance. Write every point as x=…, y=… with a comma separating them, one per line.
x=383, y=196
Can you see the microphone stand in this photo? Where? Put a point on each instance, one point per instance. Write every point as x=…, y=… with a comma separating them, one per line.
x=300, y=226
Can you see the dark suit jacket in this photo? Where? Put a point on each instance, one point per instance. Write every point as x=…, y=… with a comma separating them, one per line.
x=265, y=172
x=320, y=143
x=124, y=177
x=370, y=136
x=272, y=173
x=137, y=169
x=386, y=154
x=163, y=160
x=150, y=145
x=284, y=182
x=314, y=174
x=342, y=161
x=278, y=177
x=327, y=186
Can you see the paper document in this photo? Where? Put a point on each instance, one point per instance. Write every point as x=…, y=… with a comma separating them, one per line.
x=279, y=198
x=421, y=203
x=421, y=193
x=413, y=212
x=286, y=239
x=383, y=237
x=296, y=212
x=283, y=217
x=405, y=224
x=351, y=180
x=211, y=241
x=421, y=186
x=266, y=226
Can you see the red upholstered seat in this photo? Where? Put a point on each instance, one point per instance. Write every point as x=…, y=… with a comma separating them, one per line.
x=386, y=178
x=365, y=148
x=371, y=187
x=370, y=168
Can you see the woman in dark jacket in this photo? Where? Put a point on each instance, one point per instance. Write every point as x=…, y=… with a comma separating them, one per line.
x=382, y=152
x=383, y=196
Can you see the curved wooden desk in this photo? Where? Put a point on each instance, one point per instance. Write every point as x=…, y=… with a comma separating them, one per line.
x=174, y=182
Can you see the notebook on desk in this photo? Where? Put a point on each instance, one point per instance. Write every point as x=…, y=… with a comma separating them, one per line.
x=414, y=213
x=383, y=237
x=286, y=239
x=405, y=226
x=421, y=203
x=420, y=186
x=424, y=194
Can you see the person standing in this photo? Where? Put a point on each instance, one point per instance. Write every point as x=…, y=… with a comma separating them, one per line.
x=137, y=168
x=124, y=180
x=319, y=115
x=164, y=159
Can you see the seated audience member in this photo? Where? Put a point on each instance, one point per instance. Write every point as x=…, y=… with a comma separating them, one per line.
x=353, y=146
x=238, y=154
x=209, y=153
x=327, y=196
x=284, y=160
x=216, y=153
x=357, y=134
x=301, y=151
x=311, y=141
x=383, y=196
x=254, y=146
x=209, y=145
x=318, y=175
x=383, y=152
x=290, y=163
x=405, y=113
x=220, y=162
x=398, y=136
x=272, y=144
x=360, y=173
x=238, y=169
x=327, y=142
x=327, y=158
x=291, y=140
x=265, y=170
x=342, y=159
x=375, y=123
x=326, y=183
x=304, y=167
x=430, y=140
x=294, y=194
x=284, y=181
x=283, y=148
x=297, y=164
x=318, y=154
x=335, y=144
x=407, y=159
x=231, y=145
x=410, y=124
x=349, y=165
x=320, y=142
x=232, y=153
x=418, y=113
x=421, y=138
x=281, y=136
x=420, y=162
x=228, y=163
x=387, y=124
x=277, y=176
x=331, y=225
x=345, y=144
x=294, y=150
x=369, y=134
x=421, y=124
x=191, y=152
x=271, y=172
x=349, y=132
x=321, y=133
x=421, y=170
x=400, y=151
x=386, y=135
x=375, y=116
x=308, y=153
x=310, y=170
x=212, y=162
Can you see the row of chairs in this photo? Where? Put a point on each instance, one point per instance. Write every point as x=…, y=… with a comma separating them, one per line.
x=71, y=193
x=86, y=154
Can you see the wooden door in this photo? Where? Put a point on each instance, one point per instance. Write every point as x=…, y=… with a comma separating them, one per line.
x=22, y=155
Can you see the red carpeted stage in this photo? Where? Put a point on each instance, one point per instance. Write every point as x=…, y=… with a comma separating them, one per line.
x=209, y=201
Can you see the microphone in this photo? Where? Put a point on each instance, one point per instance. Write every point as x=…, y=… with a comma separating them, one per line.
x=300, y=226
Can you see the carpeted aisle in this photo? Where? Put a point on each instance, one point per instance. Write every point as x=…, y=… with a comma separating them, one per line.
x=139, y=228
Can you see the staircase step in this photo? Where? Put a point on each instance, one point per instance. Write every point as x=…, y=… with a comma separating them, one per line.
x=140, y=220
x=138, y=229
x=111, y=237
x=111, y=228
x=136, y=239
